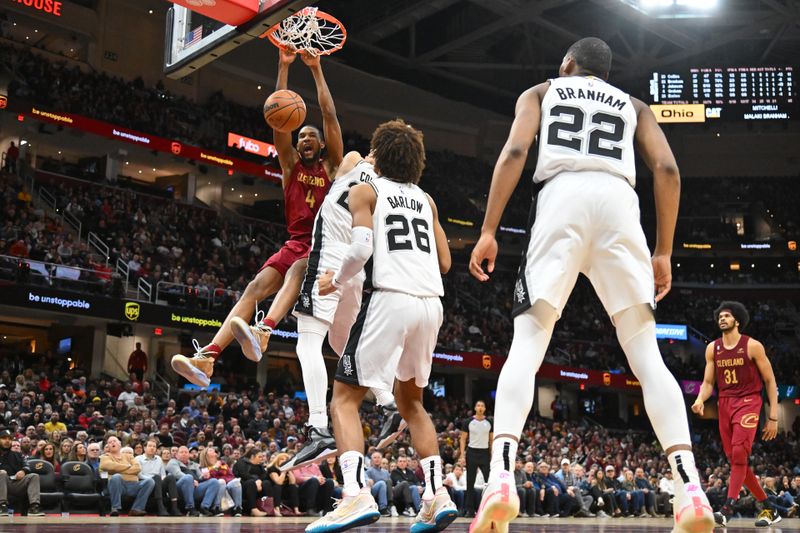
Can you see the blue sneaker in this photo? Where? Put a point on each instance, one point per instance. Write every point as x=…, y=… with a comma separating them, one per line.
x=349, y=512
x=436, y=514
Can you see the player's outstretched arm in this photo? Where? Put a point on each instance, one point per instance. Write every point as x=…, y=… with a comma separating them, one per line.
x=348, y=163
x=442, y=247
x=709, y=377
x=759, y=356
x=287, y=155
x=507, y=172
x=655, y=151
x=361, y=201
x=330, y=122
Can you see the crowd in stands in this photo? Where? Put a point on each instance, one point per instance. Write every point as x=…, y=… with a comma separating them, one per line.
x=220, y=453
x=196, y=257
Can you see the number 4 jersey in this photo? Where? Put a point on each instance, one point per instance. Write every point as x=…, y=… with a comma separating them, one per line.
x=302, y=198
x=405, y=258
x=586, y=125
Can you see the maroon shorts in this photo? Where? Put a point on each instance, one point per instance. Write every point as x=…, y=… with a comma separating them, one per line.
x=289, y=254
x=738, y=421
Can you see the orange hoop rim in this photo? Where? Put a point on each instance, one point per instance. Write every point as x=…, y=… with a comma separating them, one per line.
x=271, y=33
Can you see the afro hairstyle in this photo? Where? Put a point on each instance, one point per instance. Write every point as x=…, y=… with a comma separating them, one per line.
x=737, y=309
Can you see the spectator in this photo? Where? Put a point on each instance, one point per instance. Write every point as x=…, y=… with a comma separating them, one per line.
x=55, y=425
x=526, y=492
x=571, y=486
x=152, y=467
x=219, y=470
x=331, y=470
x=78, y=452
x=123, y=478
x=379, y=482
x=255, y=481
x=164, y=437
x=12, y=154
x=648, y=491
x=315, y=490
x=137, y=362
x=633, y=497
x=406, y=488
x=603, y=494
x=16, y=478
x=781, y=500
x=284, y=487
x=49, y=454
x=93, y=458
x=456, y=483
x=128, y=396
x=194, y=484
x=666, y=487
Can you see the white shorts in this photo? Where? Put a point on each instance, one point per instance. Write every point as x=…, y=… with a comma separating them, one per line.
x=338, y=309
x=586, y=222
x=394, y=337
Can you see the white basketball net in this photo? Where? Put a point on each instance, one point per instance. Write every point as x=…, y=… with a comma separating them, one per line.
x=305, y=31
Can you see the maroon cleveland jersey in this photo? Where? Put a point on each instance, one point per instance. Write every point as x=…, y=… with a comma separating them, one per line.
x=737, y=374
x=302, y=198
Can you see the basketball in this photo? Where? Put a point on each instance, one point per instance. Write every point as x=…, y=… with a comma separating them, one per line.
x=284, y=111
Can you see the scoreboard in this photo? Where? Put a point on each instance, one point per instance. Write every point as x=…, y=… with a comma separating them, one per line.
x=729, y=93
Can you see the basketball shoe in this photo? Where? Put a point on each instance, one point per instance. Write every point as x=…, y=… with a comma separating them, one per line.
x=349, y=512
x=319, y=445
x=393, y=426
x=253, y=339
x=767, y=517
x=499, y=505
x=693, y=514
x=436, y=514
x=197, y=368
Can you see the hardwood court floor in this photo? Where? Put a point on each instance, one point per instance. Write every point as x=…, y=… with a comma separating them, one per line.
x=95, y=524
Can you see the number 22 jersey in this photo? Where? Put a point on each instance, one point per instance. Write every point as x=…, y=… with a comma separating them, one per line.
x=586, y=125
x=405, y=258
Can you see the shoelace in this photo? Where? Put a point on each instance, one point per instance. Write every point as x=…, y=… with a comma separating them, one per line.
x=260, y=316
x=198, y=350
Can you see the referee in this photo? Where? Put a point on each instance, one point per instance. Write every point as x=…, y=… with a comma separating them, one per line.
x=478, y=430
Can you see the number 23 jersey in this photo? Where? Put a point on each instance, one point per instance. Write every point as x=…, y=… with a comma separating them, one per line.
x=586, y=125
x=405, y=258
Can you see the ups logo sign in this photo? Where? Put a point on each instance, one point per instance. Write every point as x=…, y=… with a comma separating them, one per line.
x=132, y=311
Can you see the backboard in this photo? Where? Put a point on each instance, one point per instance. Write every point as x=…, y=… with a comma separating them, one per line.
x=193, y=40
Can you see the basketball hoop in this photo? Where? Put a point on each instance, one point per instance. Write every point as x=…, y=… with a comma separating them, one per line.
x=309, y=30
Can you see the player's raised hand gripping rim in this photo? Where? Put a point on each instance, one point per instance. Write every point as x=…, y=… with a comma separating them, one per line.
x=662, y=275
x=485, y=250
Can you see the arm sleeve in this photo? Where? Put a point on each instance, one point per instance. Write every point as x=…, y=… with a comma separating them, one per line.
x=358, y=254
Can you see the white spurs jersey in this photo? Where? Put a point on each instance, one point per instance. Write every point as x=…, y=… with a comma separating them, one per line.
x=336, y=219
x=587, y=125
x=405, y=258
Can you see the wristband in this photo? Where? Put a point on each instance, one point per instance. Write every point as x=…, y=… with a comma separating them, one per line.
x=336, y=283
x=773, y=419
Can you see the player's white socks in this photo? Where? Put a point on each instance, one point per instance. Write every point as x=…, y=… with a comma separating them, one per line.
x=315, y=376
x=683, y=468
x=432, y=466
x=383, y=397
x=515, y=388
x=663, y=400
x=353, y=471
x=504, y=453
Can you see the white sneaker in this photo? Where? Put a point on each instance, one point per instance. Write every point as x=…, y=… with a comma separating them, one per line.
x=253, y=339
x=198, y=368
x=436, y=514
x=349, y=512
x=499, y=506
x=393, y=511
x=693, y=514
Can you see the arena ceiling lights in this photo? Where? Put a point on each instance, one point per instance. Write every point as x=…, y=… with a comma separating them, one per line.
x=666, y=9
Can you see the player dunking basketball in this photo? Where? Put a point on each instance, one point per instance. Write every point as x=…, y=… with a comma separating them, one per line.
x=305, y=183
x=737, y=364
x=587, y=220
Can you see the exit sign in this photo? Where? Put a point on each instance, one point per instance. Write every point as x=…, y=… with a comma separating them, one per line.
x=53, y=7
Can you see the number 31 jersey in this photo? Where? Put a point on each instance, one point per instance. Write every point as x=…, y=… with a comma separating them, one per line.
x=405, y=258
x=587, y=125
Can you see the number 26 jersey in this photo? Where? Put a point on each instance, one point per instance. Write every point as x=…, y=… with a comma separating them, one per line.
x=586, y=125
x=405, y=258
